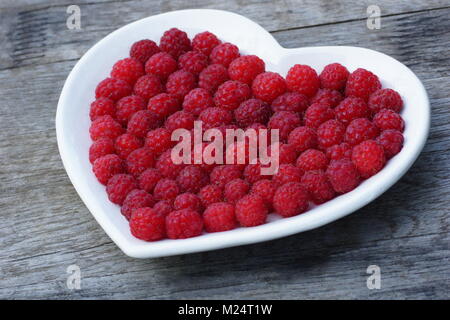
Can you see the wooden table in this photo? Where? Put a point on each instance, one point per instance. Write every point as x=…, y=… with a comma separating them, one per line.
x=45, y=227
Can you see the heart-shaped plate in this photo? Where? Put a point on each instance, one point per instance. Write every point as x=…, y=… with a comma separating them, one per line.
x=72, y=124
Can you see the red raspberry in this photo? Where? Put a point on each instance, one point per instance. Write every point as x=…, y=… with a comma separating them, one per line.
x=303, y=79
x=360, y=130
x=215, y=117
x=163, y=207
x=166, y=189
x=290, y=101
x=134, y=200
x=327, y=96
x=219, y=217
x=330, y=133
x=212, y=77
x=339, y=151
x=180, y=83
x=210, y=194
x=166, y=166
x=385, y=99
x=148, y=86
x=180, y=120
x=147, y=225
x=188, y=201
x=141, y=122
x=163, y=105
x=368, y=157
x=287, y=173
x=265, y=189
x=312, y=159
x=362, y=83
x=127, y=143
x=127, y=69
x=119, y=186
x=318, y=186
x=286, y=153
x=318, y=113
x=391, y=141
x=182, y=224
x=107, y=166
x=246, y=68
x=334, y=76
x=235, y=190
x=175, y=42
x=223, y=174
x=161, y=64
x=149, y=178
x=205, y=42
x=252, y=173
x=139, y=160
x=231, y=94
x=291, y=199
x=192, y=179
x=285, y=121
x=113, y=89
x=144, y=49
x=302, y=138
x=158, y=140
x=100, y=148
x=224, y=54
x=251, y=111
x=127, y=106
x=351, y=108
x=102, y=107
x=193, y=62
x=251, y=211
x=387, y=119
x=343, y=175
x=268, y=85
x=197, y=100
x=105, y=127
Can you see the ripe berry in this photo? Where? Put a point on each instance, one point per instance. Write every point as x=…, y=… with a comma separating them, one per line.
x=302, y=79
x=180, y=120
x=105, y=127
x=100, y=148
x=362, y=83
x=385, y=99
x=180, y=83
x=166, y=166
x=391, y=141
x=291, y=199
x=286, y=153
x=187, y=201
x=251, y=111
x=197, y=100
x=141, y=122
x=290, y=101
x=127, y=143
x=148, y=225
x=343, y=175
x=102, y=107
x=251, y=211
x=134, y=200
x=231, y=94
x=215, y=117
x=330, y=133
x=318, y=186
x=368, y=157
x=149, y=178
x=268, y=85
x=328, y=97
x=223, y=174
x=142, y=50
x=182, y=224
x=246, y=68
x=312, y=159
x=127, y=69
x=119, y=186
x=193, y=62
x=163, y=105
x=161, y=64
x=158, y=140
x=235, y=190
x=163, y=207
x=351, y=108
x=128, y=106
x=210, y=194
x=285, y=121
x=264, y=188
x=334, y=76
x=175, y=42
x=139, y=160
x=287, y=173
x=192, y=179
x=318, y=113
x=387, y=119
x=166, y=189
x=360, y=130
x=205, y=42
x=224, y=54
x=339, y=151
x=302, y=138
x=212, y=77
x=113, y=89
x=219, y=217
x=107, y=166
x=148, y=86
x=252, y=173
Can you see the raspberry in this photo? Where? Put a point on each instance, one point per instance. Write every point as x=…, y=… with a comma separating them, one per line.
x=149, y=178
x=312, y=159
x=148, y=86
x=188, y=201
x=166, y=189
x=100, y=148
x=119, y=186
x=290, y=199
x=387, y=119
x=113, y=89
x=235, y=190
x=252, y=173
x=362, y=83
x=175, y=42
x=287, y=173
x=210, y=194
x=318, y=113
x=192, y=179
x=193, y=62
x=223, y=174
x=163, y=207
x=385, y=99
x=329, y=133
x=141, y=122
x=302, y=79
x=158, y=140
x=334, y=76
x=251, y=111
x=107, y=166
x=127, y=69
x=368, y=157
x=286, y=153
x=265, y=189
x=290, y=101
x=147, y=225
x=212, y=77
x=127, y=106
x=351, y=108
x=102, y=107
x=391, y=141
x=105, y=127
x=205, y=42
x=166, y=166
x=318, y=186
x=246, y=68
x=180, y=83
x=343, y=175
x=139, y=160
x=125, y=144
x=360, y=130
x=339, y=151
x=251, y=211
x=224, y=54
x=327, y=96
x=268, y=85
x=161, y=64
x=215, y=117
x=144, y=49
x=134, y=200
x=180, y=120
x=182, y=224
x=302, y=138
x=285, y=121
x=231, y=94
x=163, y=105
x=197, y=100
x=219, y=217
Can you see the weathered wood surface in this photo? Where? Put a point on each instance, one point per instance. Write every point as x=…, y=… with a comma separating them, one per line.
x=45, y=226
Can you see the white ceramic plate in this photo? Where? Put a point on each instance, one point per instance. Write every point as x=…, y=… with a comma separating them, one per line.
x=72, y=124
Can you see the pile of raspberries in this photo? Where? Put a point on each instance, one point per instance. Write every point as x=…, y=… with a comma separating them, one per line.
x=336, y=129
